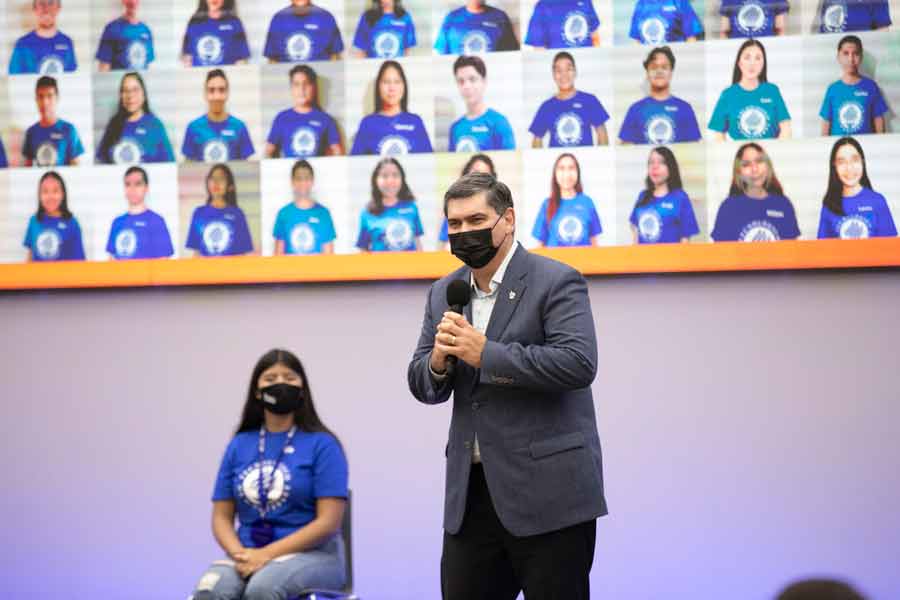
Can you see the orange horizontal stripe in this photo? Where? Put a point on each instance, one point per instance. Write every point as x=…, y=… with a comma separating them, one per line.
x=616, y=260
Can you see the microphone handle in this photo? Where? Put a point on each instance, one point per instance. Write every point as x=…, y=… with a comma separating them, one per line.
x=452, y=360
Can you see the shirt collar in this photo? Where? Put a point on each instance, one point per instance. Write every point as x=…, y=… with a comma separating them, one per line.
x=497, y=278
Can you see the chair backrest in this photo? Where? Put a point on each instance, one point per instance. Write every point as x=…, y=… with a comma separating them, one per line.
x=347, y=535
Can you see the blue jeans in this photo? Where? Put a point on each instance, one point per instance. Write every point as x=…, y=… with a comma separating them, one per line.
x=282, y=578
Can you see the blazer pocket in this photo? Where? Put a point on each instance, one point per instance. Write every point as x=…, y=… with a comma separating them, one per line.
x=557, y=444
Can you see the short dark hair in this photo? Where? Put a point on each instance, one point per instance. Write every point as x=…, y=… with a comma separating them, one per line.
x=46, y=81
x=302, y=164
x=34, y=3
x=816, y=589
x=212, y=74
x=498, y=195
x=137, y=169
x=470, y=61
x=563, y=55
x=665, y=51
x=851, y=39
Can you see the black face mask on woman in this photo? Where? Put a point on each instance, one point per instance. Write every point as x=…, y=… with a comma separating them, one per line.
x=475, y=248
x=282, y=398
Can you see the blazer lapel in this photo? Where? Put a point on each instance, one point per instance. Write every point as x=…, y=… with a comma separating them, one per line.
x=509, y=295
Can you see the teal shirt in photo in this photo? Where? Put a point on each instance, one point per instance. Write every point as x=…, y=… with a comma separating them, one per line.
x=750, y=115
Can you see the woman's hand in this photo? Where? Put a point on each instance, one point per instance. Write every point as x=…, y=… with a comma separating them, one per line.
x=250, y=560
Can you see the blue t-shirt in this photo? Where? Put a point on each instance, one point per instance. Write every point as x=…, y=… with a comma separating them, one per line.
x=54, y=238
x=143, y=235
x=656, y=22
x=576, y=221
x=293, y=38
x=851, y=108
x=463, y=32
x=865, y=215
x=380, y=134
x=490, y=131
x=298, y=135
x=569, y=121
x=854, y=15
x=216, y=141
x=215, y=42
x=664, y=220
x=750, y=115
x=46, y=56
x=52, y=146
x=142, y=141
x=651, y=121
x=752, y=18
x=395, y=229
x=3, y=162
x=444, y=234
x=745, y=219
x=390, y=37
x=562, y=24
x=219, y=231
x=304, y=230
x=316, y=468
x=125, y=45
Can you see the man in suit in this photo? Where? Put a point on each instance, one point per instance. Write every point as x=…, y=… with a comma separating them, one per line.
x=524, y=482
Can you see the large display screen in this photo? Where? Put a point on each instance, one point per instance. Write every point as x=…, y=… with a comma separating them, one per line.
x=635, y=135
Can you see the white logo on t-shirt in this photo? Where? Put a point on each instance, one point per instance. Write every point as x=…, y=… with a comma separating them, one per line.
x=126, y=152
x=467, y=144
x=46, y=155
x=759, y=231
x=653, y=30
x=568, y=129
x=209, y=49
x=48, y=244
x=393, y=145
x=575, y=28
x=476, y=42
x=850, y=116
x=660, y=130
x=217, y=236
x=751, y=17
x=650, y=225
x=215, y=151
x=137, y=55
x=753, y=121
x=386, y=44
x=853, y=227
x=569, y=229
x=51, y=65
x=126, y=243
x=299, y=47
x=835, y=17
x=398, y=234
x=303, y=141
x=303, y=239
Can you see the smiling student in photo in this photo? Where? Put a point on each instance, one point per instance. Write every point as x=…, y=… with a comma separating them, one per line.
x=481, y=128
x=304, y=129
x=214, y=36
x=303, y=32
x=663, y=212
x=134, y=134
x=219, y=227
x=390, y=222
x=476, y=28
x=568, y=216
x=53, y=231
x=45, y=50
x=126, y=42
x=51, y=141
x=385, y=30
x=139, y=232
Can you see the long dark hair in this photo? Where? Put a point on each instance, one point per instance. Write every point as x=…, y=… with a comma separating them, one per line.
x=313, y=80
x=202, y=12
x=736, y=74
x=674, y=180
x=63, y=206
x=404, y=100
x=772, y=185
x=372, y=15
x=376, y=205
x=555, y=193
x=305, y=417
x=231, y=188
x=479, y=158
x=117, y=122
x=834, y=196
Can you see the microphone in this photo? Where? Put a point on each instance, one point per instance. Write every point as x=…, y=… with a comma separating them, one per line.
x=458, y=295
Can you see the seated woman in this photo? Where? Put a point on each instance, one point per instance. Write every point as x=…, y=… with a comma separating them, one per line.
x=285, y=476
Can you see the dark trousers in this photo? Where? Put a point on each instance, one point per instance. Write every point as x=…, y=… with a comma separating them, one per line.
x=483, y=561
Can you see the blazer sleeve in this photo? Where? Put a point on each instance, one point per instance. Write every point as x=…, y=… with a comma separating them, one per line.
x=567, y=360
x=418, y=374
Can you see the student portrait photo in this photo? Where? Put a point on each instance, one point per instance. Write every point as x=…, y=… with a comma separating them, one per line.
x=854, y=103
x=385, y=30
x=51, y=141
x=214, y=35
x=658, y=22
x=139, y=232
x=45, y=49
x=218, y=135
x=475, y=27
x=53, y=233
x=481, y=128
x=390, y=220
x=219, y=225
x=303, y=31
x=127, y=41
x=563, y=24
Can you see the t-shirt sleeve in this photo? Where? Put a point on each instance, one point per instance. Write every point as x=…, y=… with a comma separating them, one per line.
x=186, y=45
x=719, y=233
x=507, y=40
x=442, y=43
x=826, y=111
x=110, y=242
x=881, y=14
x=76, y=148
x=422, y=135
x=336, y=44
x=328, y=233
x=246, y=143
x=223, y=489
x=30, y=232
x=719, y=119
x=331, y=132
x=505, y=132
x=243, y=241
x=361, y=38
x=105, y=48
x=597, y=115
x=688, y=220
x=77, y=247
x=18, y=61
x=417, y=222
x=364, y=239
x=691, y=127
x=151, y=54
x=537, y=29
x=193, y=239
x=879, y=106
x=791, y=228
x=28, y=145
x=162, y=240
x=691, y=23
x=271, y=48
x=278, y=231
x=360, y=143
x=274, y=137
x=594, y=227
x=188, y=148
x=71, y=63
x=886, y=225
x=781, y=109
x=634, y=32
x=539, y=124
x=780, y=7
x=330, y=471
x=630, y=129
x=410, y=40
x=824, y=230
x=541, y=230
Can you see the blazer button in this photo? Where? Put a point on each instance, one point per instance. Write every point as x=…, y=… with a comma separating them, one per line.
x=475, y=406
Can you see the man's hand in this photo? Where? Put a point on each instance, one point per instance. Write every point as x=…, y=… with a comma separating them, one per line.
x=456, y=337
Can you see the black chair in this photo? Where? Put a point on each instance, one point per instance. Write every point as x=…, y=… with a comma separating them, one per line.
x=346, y=593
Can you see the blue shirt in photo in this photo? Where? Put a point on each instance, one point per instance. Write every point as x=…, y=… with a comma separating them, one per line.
x=750, y=115
x=304, y=230
x=444, y=234
x=664, y=220
x=562, y=24
x=295, y=38
x=463, y=32
x=3, y=161
x=143, y=235
x=394, y=230
x=655, y=22
x=125, y=45
x=490, y=131
x=52, y=146
x=851, y=108
x=390, y=37
x=45, y=56
x=142, y=141
x=840, y=16
x=865, y=215
x=576, y=221
x=54, y=238
x=298, y=135
x=569, y=121
x=745, y=219
x=402, y=133
x=215, y=42
x=315, y=468
x=219, y=231
x=651, y=121
x=752, y=18
x=216, y=141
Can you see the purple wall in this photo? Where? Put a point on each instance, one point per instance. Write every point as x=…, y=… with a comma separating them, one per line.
x=751, y=430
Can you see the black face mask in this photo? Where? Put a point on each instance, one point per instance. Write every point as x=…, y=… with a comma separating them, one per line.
x=282, y=398
x=475, y=248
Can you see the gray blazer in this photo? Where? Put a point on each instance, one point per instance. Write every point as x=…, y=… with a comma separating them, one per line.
x=530, y=402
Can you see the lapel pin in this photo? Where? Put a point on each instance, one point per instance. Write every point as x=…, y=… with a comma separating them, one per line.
x=512, y=295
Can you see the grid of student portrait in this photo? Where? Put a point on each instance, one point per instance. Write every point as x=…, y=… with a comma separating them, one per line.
x=622, y=93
